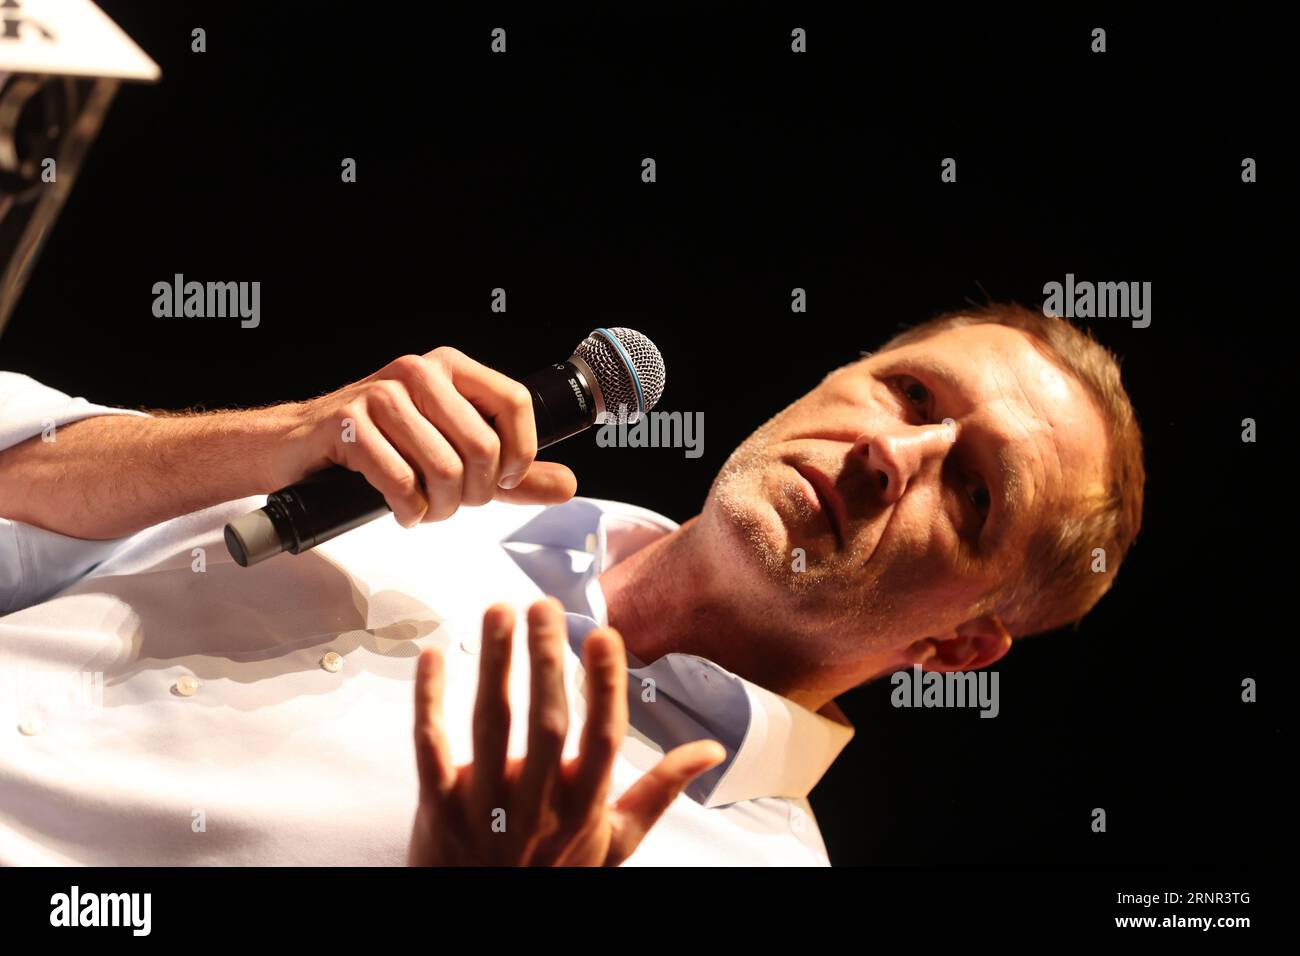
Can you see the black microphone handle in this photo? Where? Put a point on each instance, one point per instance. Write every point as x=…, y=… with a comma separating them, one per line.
x=333, y=500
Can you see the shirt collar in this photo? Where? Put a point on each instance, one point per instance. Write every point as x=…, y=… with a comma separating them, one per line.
x=775, y=747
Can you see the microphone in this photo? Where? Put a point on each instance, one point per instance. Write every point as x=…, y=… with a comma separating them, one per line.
x=613, y=374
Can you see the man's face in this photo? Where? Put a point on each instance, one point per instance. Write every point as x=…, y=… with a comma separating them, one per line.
x=907, y=524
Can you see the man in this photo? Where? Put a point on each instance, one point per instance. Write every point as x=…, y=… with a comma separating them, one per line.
x=925, y=505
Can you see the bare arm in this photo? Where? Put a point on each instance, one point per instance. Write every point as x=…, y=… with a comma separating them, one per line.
x=112, y=475
x=418, y=430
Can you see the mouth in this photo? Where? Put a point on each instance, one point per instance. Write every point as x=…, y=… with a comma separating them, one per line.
x=828, y=500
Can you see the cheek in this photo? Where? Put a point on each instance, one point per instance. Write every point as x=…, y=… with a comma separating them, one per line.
x=918, y=559
x=919, y=531
x=927, y=597
x=915, y=575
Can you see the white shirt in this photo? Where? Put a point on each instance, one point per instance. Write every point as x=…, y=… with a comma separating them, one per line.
x=262, y=716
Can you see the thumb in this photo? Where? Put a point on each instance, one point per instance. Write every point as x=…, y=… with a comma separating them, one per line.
x=646, y=800
x=545, y=483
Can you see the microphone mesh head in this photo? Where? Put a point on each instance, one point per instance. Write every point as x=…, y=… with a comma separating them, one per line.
x=618, y=384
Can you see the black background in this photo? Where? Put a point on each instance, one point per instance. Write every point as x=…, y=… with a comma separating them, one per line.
x=775, y=170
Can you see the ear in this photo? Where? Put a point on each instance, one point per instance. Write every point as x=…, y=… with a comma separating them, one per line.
x=975, y=644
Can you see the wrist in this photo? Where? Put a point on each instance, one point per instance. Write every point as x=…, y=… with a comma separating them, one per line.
x=275, y=459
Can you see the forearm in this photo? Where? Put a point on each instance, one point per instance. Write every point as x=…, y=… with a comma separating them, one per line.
x=113, y=475
x=410, y=429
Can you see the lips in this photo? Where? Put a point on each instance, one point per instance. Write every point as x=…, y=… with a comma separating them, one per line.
x=832, y=504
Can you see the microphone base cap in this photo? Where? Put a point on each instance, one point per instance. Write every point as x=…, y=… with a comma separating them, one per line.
x=253, y=538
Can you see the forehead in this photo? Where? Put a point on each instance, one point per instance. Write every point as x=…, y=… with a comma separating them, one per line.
x=985, y=359
x=1043, y=416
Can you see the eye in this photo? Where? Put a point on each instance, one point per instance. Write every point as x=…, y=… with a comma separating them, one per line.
x=979, y=498
x=916, y=394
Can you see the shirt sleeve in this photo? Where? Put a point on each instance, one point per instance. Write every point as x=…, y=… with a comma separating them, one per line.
x=35, y=563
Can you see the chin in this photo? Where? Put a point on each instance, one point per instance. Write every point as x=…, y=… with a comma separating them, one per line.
x=749, y=531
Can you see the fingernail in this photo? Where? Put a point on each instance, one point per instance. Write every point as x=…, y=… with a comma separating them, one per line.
x=510, y=481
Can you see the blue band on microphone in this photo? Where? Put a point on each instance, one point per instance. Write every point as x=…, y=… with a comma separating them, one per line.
x=609, y=337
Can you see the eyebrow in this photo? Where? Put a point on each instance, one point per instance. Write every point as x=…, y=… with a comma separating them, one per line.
x=1007, y=477
x=933, y=369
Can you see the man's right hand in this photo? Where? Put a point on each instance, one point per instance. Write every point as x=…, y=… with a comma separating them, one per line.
x=538, y=810
x=417, y=430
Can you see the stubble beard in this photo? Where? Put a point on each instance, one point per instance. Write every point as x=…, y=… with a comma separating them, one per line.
x=755, y=543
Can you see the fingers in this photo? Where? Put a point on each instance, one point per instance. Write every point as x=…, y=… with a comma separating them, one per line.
x=646, y=800
x=547, y=483
x=507, y=402
x=437, y=464
x=492, y=707
x=387, y=471
x=458, y=394
x=548, y=712
x=606, y=726
x=551, y=803
x=477, y=446
x=424, y=439
x=432, y=757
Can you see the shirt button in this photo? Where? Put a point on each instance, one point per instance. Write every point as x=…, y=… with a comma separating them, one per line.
x=30, y=726
x=332, y=662
x=471, y=645
x=186, y=685
x=590, y=544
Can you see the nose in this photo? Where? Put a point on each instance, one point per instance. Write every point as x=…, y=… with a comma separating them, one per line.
x=896, y=454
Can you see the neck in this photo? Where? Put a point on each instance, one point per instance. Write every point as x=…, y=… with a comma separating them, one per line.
x=670, y=597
